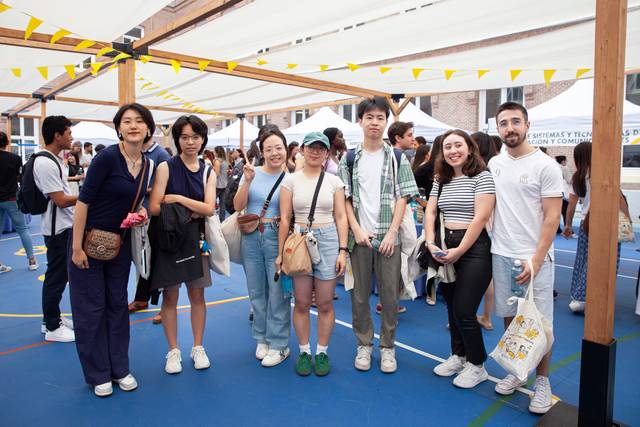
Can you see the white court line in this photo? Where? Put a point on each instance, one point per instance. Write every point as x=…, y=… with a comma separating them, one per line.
x=573, y=252
x=619, y=275
x=17, y=237
x=420, y=352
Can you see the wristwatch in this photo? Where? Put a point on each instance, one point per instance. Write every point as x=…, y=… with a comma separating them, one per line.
x=343, y=248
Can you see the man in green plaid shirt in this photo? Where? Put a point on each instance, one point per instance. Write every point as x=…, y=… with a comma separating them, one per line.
x=377, y=188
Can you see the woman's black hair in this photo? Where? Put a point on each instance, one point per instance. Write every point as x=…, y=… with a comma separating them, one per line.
x=144, y=113
x=473, y=165
x=198, y=126
x=582, y=159
x=421, y=153
x=485, y=144
x=274, y=130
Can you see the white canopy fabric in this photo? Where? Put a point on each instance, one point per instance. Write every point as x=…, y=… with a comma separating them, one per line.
x=95, y=133
x=567, y=119
x=318, y=122
x=230, y=136
x=423, y=124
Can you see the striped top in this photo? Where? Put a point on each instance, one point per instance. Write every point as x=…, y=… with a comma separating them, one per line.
x=457, y=200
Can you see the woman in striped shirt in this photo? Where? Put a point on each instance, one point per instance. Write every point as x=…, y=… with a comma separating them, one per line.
x=466, y=201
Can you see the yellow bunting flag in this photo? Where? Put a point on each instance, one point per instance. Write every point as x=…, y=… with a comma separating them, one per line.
x=84, y=44
x=59, y=34
x=324, y=67
x=31, y=26
x=71, y=70
x=581, y=72
x=482, y=73
x=102, y=52
x=291, y=66
x=448, y=74
x=548, y=74
x=261, y=61
x=145, y=85
x=514, y=74
x=95, y=67
x=145, y=58
x=16, y=72
x=384, y=69
x=176, y=65
x=44, y=72
x=202, y=65
x=4, y=7
x=113, y=67
x=416, y=72
x=231, y=66
x=352, y=67
x=161, y=93
x=120, y=56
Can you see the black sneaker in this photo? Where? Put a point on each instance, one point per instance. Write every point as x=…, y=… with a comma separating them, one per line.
x=322, y=366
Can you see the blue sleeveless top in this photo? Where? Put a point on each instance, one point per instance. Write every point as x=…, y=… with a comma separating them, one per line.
x=184, y=182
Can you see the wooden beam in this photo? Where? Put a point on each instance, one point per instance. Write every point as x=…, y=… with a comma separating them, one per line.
x=307, y=106
x=73, y=119
x=126, y=82
x=605, y=169
x=209, y=9
x=15, y=95
x=261, y=74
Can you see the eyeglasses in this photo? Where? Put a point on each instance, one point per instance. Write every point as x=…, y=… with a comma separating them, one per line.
x=315, y=148
x=193, y=138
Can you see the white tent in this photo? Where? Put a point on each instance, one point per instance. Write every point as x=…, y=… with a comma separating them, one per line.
x=318, y=122
x=95, y=133
x=230, y=135
x=567, y=118
x=423, y=124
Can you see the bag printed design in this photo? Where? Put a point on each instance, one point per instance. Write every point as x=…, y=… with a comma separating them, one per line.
x=527, y=340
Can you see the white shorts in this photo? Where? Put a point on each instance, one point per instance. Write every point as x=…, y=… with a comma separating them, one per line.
x=542, y=287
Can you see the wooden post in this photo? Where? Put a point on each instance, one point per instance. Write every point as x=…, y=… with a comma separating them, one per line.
x=126, y=82
x=43, y=115
x=166, y=131
x=597, y=370
x=241, y=118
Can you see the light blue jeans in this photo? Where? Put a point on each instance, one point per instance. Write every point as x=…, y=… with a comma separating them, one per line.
x=271, y=307
x=17, y=217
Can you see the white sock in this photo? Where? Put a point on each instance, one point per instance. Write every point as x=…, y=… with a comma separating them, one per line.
x=305, y=348
x=321, y=349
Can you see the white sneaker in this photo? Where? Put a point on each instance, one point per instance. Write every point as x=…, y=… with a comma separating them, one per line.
x=127, y=383
x=62, y=334
x=174, y=362
x=103, y=390
x=453, y=365
x=363, y=358
x=388, y=363
x=471, y=376
x=577, y=306
x=66, y=321
x=261, y=350
x=508, y=385
x=541, y=401
x=275, y=357
x=5, y=268
x=33, y=264
x=199, y=356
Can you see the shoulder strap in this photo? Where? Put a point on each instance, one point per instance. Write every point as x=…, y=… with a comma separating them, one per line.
x=267, y=201
x=144, y=170
x=45, y=153
x=312, y=211
x=54, y=207
x=397, y=154
x=351, y=158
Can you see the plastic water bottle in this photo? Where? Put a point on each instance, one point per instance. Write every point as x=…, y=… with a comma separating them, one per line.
x=517, y=270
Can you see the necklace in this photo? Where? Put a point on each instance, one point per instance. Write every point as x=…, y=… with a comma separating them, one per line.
x=129, y=159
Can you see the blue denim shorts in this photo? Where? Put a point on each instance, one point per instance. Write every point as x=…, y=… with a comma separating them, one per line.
x=328, y=246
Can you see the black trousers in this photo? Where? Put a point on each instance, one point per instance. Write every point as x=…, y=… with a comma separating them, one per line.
x=55, y=278
x=99, y=306
x=473, y=275
x=221, y=207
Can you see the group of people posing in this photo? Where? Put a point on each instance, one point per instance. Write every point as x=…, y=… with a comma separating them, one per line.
x=353, y=203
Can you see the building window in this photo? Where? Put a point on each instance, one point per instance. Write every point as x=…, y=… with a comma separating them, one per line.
x=260, y=120
x=25, y=136
x=227, y=122
x=633, y=88
x=631, y=156
x=298, y=116
x=491, y=99
x=348, y=112
x=423, y=103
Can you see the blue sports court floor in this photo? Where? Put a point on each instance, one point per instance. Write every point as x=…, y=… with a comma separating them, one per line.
x=42, y=382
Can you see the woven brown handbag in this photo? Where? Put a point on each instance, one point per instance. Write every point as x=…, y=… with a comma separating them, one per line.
x=105, y=245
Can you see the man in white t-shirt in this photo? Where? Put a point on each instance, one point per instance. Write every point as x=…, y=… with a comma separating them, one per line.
x=56, y=223
x=529, y=189
x=87, y=156
x=372, y=181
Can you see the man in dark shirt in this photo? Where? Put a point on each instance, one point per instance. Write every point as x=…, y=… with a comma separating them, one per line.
x=10, y=170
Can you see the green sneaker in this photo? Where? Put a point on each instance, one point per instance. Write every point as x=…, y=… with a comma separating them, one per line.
x=322, y=364
x=304, y=365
